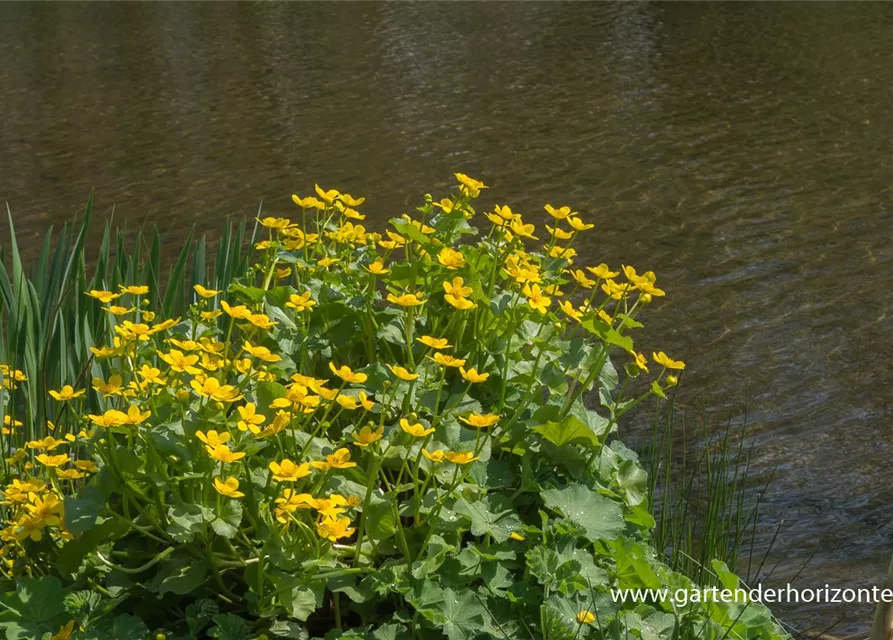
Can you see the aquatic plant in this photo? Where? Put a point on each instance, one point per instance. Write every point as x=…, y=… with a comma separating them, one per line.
x=365, y=436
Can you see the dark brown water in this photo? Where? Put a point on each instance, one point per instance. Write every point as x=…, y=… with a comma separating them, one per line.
x=742, y=151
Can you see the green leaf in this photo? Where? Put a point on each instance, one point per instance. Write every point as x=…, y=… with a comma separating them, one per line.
x=598, y=515
x=227, y=522
x=568, y=431
x=185, y=579
x=728, y=578
x=490, y=516
x=230, y=627
x=435, y=553
x=463, y=615
x=127, y=627
x=185, y=521
x=41, y=598
x=300, y=602
x=199, y=614
x=633, y=482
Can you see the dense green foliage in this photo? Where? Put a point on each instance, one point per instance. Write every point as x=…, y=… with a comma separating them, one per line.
x=359, y=436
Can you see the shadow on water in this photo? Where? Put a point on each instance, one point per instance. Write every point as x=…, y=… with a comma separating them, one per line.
x=742, y=151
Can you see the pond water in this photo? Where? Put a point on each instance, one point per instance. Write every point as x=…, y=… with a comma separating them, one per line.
x=742, y=151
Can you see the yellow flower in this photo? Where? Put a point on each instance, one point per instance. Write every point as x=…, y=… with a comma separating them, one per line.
x=203, y=292
x=568, y=308
x=261, y=320
x=119, y=311
x=462, y=304
x=536, y=299
x=150, y=374
x=514, y=535
x=111, y=418
x=274, y=223
x=180, y=362
x=562, y=252
x=664, y=360
x=402, y=373
x=328, y=196
x=456, y=287
x=560, y=234
x=524, y=230
x=49, y=443
x=288, y=471
x=641, y=361
x=334, y=529
x=346, y=374
x=222, y=453
x=558, y=214
x=447, y=361
x=481, y=421
x=307, y=203
x=67, y=393
x=582, y=280
x=338, y=460
x=377, y=268
x=52, y=461
x=348, y=402
x=434, y=456
x=211, y=388
x=134, y=290
x=301, y=302
x=250, y=418
x=135, y=416
x=469, y=186
x=472, y=375
x=416, y=430
x=69, y=474
x=350, y=201
x=450, y=258
x=261, y=353
x=211, y=315
x=585, y=616
x=239, y=312
x=111, y=388
x=104, y=297
x=578, y=224
x=65, y=631
x=86, y=465
x=434, y=343
x=283, y=273
x=228, y=487
x=212, y=438
x=365, y=401
x=366, y=436
x=406, y=300
x=460, y=457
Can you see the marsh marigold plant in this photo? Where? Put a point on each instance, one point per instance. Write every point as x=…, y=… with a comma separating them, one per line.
x=404, y=434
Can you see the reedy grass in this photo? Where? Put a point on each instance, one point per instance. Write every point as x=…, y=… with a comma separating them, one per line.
x=46, y=323
x=705, y=493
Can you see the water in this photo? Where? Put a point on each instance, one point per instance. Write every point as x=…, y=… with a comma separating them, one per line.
x=742, y=151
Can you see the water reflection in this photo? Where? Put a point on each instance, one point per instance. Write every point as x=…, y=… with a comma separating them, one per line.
x=742, y=151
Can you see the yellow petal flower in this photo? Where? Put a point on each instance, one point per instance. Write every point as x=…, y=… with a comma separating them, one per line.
x=228, y=487
x=664, y=360
x=417, y=430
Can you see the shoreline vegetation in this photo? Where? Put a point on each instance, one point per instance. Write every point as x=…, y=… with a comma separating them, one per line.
x=330, y=432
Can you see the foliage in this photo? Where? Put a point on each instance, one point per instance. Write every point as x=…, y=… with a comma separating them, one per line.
x=366, y=436
x=706, y=502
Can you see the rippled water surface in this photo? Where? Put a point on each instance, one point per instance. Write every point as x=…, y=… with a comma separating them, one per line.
x=742, y=151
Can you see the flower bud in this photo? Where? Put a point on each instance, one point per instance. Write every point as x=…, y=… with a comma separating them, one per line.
x=672, y=381
x=645, y=298
x=182, y=395
x=160, y=636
